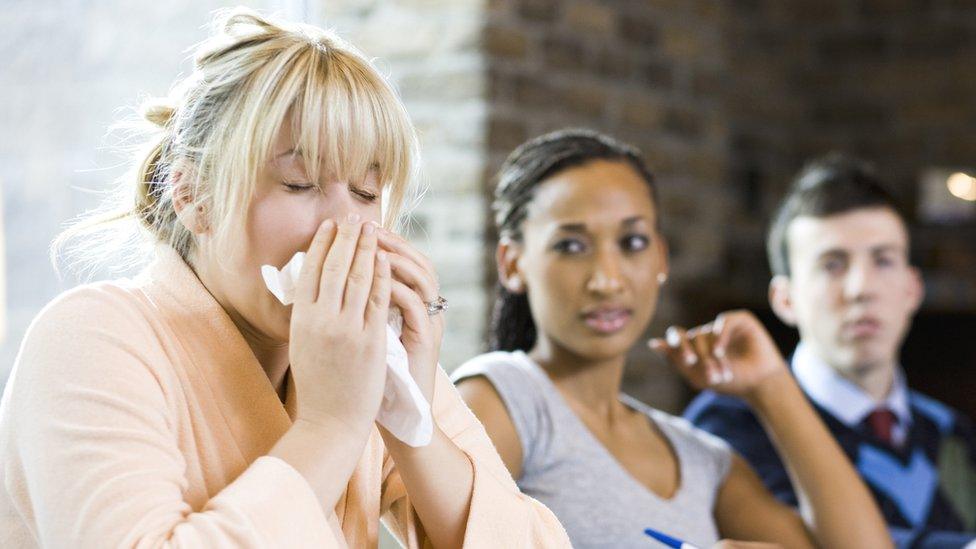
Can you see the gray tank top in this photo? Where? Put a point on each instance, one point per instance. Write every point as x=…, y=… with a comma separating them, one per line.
x=566, y=468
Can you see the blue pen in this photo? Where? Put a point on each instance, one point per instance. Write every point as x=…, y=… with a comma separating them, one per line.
x=668, y=540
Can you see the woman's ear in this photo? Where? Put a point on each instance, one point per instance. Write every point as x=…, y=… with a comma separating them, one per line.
x=781, y=300
x=192, y=215
x=506, y=257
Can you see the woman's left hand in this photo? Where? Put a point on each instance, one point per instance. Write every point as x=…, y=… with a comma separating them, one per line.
x=414, y=285
x=734, y=354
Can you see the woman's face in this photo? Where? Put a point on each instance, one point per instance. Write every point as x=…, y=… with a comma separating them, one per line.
x=590, y=258
x=284, y=213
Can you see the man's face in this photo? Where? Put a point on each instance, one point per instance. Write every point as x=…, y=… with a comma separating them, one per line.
x=852, y=292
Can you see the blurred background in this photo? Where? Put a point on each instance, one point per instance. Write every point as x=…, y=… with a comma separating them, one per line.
x=727, y=99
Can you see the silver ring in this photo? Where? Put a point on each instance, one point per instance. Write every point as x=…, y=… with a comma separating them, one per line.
x=436, y=306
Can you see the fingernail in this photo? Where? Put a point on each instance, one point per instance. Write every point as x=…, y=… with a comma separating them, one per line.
x=714, y=378
x=720, y=352
x=690, y=359
x=381, y=256
x=352, y=218
x=369, y=228
x=672, y=336
x=729, y=376
x=327, y=224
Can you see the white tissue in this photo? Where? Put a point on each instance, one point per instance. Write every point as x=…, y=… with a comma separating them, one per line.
x=404, y=412
x=282, y=283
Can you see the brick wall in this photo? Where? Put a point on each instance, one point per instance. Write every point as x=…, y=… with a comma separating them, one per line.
x=888, y=80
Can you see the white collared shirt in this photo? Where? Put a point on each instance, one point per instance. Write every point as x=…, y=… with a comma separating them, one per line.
x=844, y=399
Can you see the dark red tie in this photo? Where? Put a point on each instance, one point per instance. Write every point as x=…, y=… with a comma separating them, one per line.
x=881, y=421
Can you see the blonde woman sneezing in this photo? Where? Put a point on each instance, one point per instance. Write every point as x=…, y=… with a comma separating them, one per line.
x=188, y=407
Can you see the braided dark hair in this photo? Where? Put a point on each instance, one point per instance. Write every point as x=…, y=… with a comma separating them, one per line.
x=512, y=327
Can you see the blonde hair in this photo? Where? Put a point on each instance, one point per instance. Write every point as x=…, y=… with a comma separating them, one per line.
x=218, y=126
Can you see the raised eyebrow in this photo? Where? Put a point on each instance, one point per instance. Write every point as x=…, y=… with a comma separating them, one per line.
x=632, y=220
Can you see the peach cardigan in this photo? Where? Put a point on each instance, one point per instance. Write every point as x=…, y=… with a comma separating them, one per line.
x=137, y=416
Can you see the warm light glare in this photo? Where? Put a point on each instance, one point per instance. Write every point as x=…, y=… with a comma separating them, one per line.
x=962, y=186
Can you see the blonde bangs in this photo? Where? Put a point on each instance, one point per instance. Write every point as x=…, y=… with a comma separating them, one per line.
x=348, y=121
x=218, y=127
x=237, y=154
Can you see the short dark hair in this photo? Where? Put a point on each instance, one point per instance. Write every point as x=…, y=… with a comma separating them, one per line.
x=828, y=186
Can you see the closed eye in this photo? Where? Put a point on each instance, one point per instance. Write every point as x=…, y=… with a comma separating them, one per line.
x=299, y=187
x=365, y=195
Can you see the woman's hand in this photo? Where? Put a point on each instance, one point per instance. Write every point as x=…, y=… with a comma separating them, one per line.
x=733, y=354
x=414, y=285
x=337, y=345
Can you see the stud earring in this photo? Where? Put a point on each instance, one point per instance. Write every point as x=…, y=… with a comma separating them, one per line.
x=514, y=285
x=662, y=278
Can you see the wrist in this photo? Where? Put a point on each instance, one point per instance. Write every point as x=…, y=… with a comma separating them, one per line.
x=424, y=374
x=773, y=391
x=400, y=449
x=331, y=427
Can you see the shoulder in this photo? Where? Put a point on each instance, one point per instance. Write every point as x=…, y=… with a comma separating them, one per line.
x=90, y=355
x=507, y=416
x=87, y=335
x=942, y=415
x=498, y=381
x=113, y=304
x=496, y=363
x=498, y=375
x=718, y=414
x=93, y=313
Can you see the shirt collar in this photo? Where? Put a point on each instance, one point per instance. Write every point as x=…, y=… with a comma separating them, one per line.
x=844, y=399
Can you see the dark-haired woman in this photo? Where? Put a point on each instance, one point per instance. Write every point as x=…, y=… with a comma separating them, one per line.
x=580, y=264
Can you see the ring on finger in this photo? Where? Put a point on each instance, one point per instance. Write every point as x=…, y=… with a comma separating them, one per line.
x=436, y=306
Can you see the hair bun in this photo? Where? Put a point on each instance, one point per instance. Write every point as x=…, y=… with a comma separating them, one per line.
x=158, y=113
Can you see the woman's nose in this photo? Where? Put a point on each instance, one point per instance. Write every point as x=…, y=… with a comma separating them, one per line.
x=338, y=202
x=606, y=275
